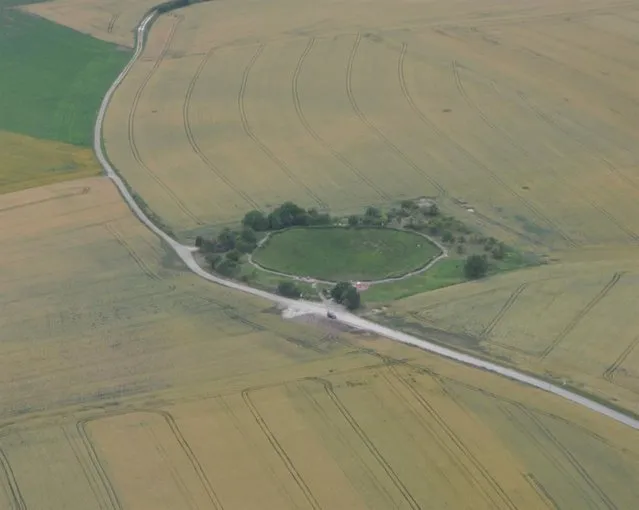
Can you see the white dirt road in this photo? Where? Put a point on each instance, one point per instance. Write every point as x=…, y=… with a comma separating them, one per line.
x=296, y=307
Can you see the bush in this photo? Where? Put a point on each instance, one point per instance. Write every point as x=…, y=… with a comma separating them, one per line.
x=476, y=266
x=448, y=237
x=288, y=289
x=499, y=251
x=460, y=249
x=245, y=247
x=198, y=241
x=227, y=267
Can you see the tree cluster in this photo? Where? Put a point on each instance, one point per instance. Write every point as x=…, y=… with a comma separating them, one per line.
x=244, y=241
x=286, y=215
x=346, y=294
x=476, y=267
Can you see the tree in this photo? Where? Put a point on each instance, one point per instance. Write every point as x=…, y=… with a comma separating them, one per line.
x=233, y=255
x=352, y=299
x=214, y=259
x=339, y=290
x=476, y=266
x=353, y=220
x=346, y=294
x=407, y=205
x=288, y=289
x=247, y=240
x=248, y=235
x=287, y=215
x=499, y=251
x=226, y=239
x=433, y=210
x=256, y=220
x=199, y=241
x=448, y=237
x=373, y=212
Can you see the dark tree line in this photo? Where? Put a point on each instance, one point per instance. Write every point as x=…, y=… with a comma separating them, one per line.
x=286, y=215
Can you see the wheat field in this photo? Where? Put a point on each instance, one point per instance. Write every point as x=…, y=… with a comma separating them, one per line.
x=29, y=162
x=527, y=111
x=110, y=20
x=130, y=383
x=574, y=321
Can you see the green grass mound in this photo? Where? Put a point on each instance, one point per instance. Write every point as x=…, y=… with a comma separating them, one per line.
x=338, y=254
x=52, y=78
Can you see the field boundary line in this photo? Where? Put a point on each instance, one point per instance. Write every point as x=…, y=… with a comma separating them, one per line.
x=456, y=440
x=609, y=373
x=370, y=446
x=112, y=23
x=543, y=493
x=571, y=459
x=428, y=122
x=85, y=190
x=549, y=454
x=94, y=459
x=321, y=141
x=326, y=419
x=279, y=450
x=195, y=463
x=372, y=127
x=533, y=208
x=175, y=474
x=88, y=474
x=465, y=472
x=246, y=126
x=185, y=253
x=503, y=310
x=139, y=261
x=191, y=137
x=17, y=501
x=131, y=127
x=582, y=313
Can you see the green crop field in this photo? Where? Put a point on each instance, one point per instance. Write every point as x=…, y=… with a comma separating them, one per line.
x=53, y=78
x=345, y=254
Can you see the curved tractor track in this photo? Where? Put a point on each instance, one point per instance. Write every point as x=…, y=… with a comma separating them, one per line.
x=186, y=255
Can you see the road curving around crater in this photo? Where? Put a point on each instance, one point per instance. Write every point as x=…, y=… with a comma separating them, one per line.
x=185, y=253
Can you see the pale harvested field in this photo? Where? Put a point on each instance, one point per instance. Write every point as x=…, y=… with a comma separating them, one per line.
x=129, y=383
x=111, y=20
x=527, y=110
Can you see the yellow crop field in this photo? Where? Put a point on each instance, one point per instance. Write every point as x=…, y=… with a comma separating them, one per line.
x=574, y=321
x=527, y=112
x=28, y=162
x=110, y=20
x=130, y=383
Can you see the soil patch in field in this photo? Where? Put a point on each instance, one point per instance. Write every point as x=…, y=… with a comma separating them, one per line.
x=337, y=254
